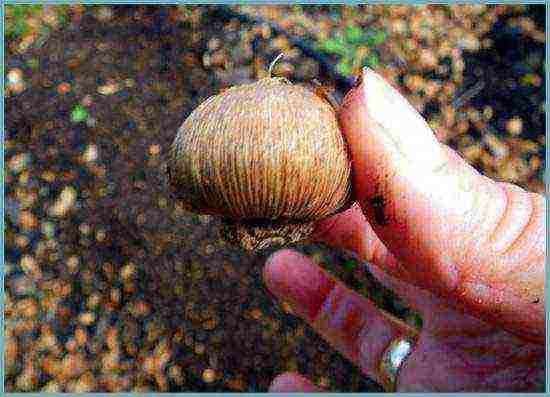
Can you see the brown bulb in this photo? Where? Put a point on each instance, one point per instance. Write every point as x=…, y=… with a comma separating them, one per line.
x=268, y=157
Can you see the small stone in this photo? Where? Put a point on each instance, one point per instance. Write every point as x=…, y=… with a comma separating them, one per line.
x=472, y=153
x=324, y=382
x=176, y=374
x=496, y=146
x=514, y=170
x=87, y=318
x=48, y=176
x=72, y=264
x=414, y=82
x=23, y=285
x=14, y=76
x=108, y=89
x=21, y=241
x=110, y=361
x=128, y=271
x=87, y=101
x=256, y=314
x=29, y=265
x=100, y=235
x=27, y=308
x=469, y=42
x=237, y=385
x=91, y=122
x=19, y=162
x=15, y=82
x=84, y=384
x=72, y=365
x=26, y=381
x=487, y=113
x=200, y=348
x=93, y=301
x=71, y=345
x=80, y=336
x=63, y=88
x=104, y=14
x=210, y=324
x=514, y=126
x=48, y=229
x=28, y=220
x=287, y=308
x=47, y=340
x=209, y=375
x=90, y=154
x=428, y=59
x=84, y=228
x=65, y=202
x=214, y=44
x=154, y=150
x=140, y=309
x=52, y=387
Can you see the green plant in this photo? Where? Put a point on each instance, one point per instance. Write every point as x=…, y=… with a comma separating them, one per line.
x=19, y=17
x=79, y=114
x=355, y=48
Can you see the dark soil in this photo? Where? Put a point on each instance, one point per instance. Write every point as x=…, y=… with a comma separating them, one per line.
x=199, y=291
x=500, y=68
x=165, y=294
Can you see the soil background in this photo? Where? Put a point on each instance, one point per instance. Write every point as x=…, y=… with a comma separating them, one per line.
x=108, y=285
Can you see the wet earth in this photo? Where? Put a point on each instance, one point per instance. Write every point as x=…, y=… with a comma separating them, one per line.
x=109, y=285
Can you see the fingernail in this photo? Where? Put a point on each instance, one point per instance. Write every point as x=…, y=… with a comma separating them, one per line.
x=399, y=120
x=292, y=278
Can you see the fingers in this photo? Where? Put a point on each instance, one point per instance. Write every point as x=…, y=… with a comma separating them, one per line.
x=456, y=232
x=291, y=382
x=350, y=231
x=349, y=322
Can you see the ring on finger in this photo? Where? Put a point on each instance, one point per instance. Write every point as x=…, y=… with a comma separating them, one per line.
x=393, y=358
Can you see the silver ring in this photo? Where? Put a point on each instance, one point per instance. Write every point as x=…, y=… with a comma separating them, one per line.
x=393, y=359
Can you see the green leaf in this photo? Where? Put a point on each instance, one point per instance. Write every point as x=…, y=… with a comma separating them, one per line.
x=42, y=37
x=372, y=61
x=21, y=27
x=344, y=68
x=376, y=38
x=334, y=46
x=19, y=11
x=63, y=19
x=379, y=37
x=414, y=319
x=354, y=34
x=35, y=8
x=33, y=63
x=350, y=264
x=79, y=114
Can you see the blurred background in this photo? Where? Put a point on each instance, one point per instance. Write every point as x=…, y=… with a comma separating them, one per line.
x=108, y=285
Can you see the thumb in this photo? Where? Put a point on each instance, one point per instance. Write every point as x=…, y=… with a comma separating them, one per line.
x=457, y=233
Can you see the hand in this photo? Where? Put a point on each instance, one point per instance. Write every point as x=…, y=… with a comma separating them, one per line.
x=465, y=251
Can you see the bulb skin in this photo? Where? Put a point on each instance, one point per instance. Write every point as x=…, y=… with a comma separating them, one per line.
x=268, y=157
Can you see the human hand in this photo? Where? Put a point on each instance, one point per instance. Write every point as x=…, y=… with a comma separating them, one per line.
x=465, y=251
